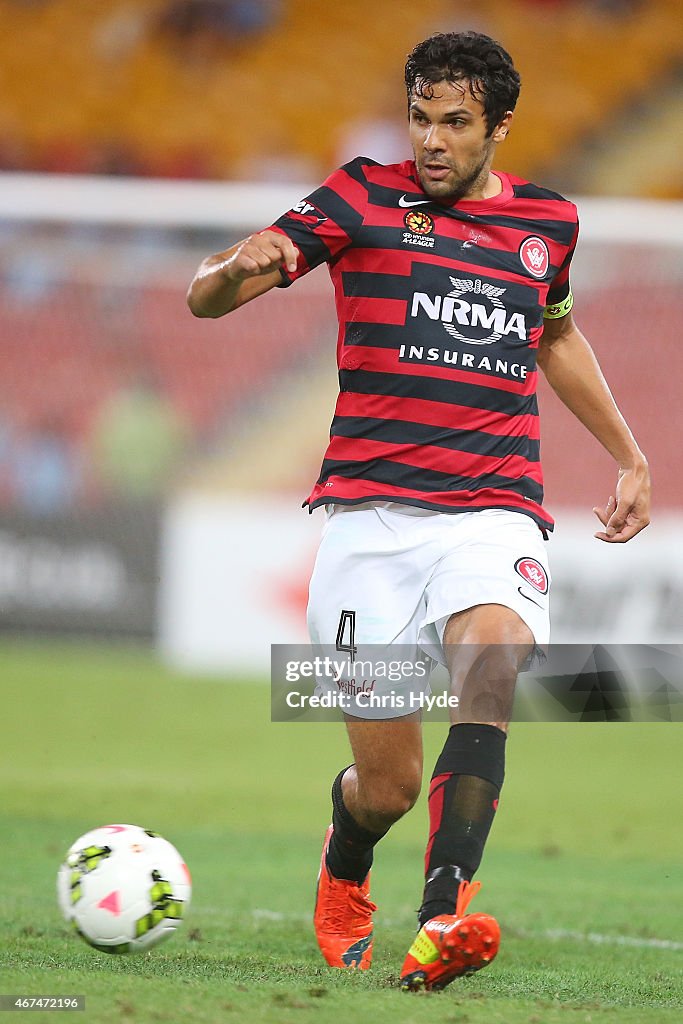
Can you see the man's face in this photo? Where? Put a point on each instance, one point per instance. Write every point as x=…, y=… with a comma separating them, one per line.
x=450, y=140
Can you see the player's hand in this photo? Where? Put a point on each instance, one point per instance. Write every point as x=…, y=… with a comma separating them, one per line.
x=260, y=254
x=627, y=513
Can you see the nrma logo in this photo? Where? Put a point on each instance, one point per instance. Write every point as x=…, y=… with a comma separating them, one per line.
x=482, y=308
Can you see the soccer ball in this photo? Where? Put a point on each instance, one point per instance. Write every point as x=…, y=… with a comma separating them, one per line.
x=124, y=888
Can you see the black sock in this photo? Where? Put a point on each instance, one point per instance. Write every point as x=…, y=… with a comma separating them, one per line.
x=463, y=797
x=349, y=854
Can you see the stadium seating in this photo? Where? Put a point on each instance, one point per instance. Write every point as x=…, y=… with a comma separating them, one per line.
x=579, y=68
x=138, y=103
x=645, y=162
x=71, y=349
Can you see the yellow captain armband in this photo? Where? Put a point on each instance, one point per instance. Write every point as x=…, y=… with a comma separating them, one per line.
x=560, y=309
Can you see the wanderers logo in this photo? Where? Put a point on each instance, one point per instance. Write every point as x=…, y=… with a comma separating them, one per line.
x=533, y=252
x=418, y=222
x=532, y=572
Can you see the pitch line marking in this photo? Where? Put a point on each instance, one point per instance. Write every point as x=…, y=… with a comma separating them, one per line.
x=598, y=939
x=555, y=934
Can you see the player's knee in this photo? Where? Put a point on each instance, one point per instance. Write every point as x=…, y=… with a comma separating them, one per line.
x=491, y=662
x=500, y=662
x=490, y=630
x=389, y=799
x=390, y=805
x=486, y=685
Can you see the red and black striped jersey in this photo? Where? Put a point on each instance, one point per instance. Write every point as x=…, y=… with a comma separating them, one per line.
x=440, y=312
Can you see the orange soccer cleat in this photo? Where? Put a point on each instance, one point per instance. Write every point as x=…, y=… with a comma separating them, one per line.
x=451, y=945
x=343, y=917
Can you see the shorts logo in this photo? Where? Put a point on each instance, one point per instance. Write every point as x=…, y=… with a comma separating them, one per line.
x=419, y=222
x=533, y=572
x=533, y=252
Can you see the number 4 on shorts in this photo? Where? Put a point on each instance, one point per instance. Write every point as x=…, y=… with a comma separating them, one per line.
x=347, y=624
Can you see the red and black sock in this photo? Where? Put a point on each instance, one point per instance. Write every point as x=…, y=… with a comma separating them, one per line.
x=349, y=854
x=463, y=797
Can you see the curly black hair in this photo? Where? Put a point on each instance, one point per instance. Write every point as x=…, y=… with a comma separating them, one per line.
x=465, y=57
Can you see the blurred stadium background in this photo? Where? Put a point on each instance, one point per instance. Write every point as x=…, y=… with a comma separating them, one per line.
x=152, y=466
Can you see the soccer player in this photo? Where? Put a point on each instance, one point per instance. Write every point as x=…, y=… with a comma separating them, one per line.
x=452, y=287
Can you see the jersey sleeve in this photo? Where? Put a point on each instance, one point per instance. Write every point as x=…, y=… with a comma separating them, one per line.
x=325, y=223
x=560, y=299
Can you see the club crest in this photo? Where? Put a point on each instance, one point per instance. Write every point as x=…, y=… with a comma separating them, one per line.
x=533, y=252
x=533, y=573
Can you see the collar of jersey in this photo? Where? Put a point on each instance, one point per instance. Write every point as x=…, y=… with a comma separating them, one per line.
x=475, y=205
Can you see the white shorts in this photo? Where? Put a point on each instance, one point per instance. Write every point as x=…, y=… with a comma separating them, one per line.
x=402, y=571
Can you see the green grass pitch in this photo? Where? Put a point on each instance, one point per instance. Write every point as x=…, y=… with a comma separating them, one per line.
x=583, y=868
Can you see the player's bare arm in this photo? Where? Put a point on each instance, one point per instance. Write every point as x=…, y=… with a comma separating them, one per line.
x=573, y=372
x=246, y=270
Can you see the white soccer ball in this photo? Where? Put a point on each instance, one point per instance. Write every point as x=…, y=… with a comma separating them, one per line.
x=124, y=888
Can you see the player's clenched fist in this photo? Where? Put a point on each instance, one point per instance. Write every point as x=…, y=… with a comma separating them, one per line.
x=250, y=268
x=260, y=254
